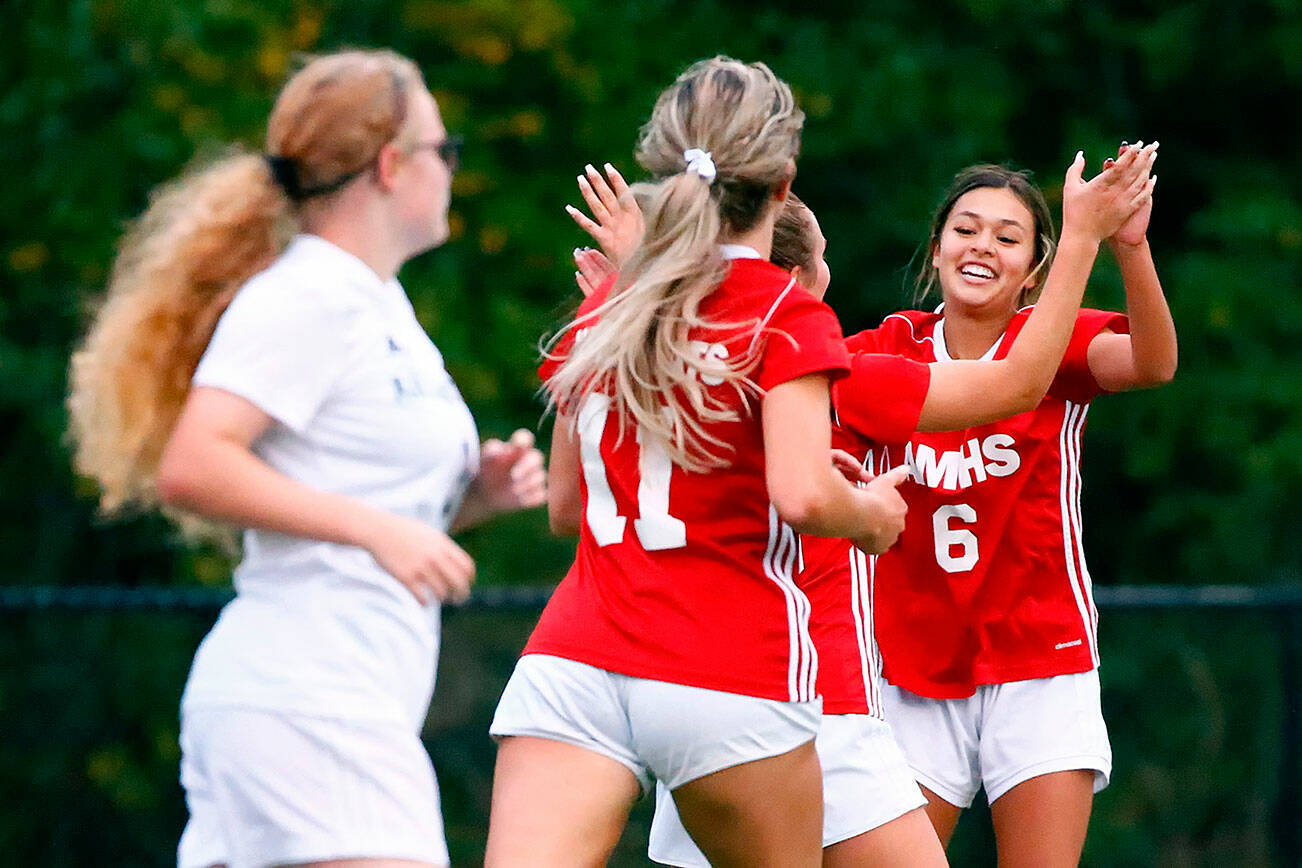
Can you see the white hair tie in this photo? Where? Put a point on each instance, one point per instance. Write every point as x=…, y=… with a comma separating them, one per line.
x=700, y=162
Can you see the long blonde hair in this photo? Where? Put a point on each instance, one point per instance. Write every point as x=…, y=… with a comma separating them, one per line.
x=202, y=236
x=639, y=349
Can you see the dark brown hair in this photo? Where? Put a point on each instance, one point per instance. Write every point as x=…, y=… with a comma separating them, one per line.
x=1004, y=178
x=793, y=242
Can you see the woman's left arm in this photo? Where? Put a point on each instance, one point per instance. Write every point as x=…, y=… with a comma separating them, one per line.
x=511, y=477
x=564, y=493
x=1147, y=356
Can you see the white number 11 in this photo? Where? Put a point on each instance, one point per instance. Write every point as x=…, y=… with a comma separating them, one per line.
x=656, y=529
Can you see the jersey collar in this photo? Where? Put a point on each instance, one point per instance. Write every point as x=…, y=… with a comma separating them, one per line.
x=738, y=251
x=942, y=350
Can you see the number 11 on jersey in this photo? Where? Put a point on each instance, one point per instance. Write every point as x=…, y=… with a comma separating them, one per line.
x=656, y=529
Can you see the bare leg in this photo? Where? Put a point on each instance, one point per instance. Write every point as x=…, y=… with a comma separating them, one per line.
x=905, y=842
x=1042, y=822
x=556, y=804
x=943, y=816
x=763, y=813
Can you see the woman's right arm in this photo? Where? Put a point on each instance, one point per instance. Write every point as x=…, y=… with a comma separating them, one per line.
x=208, y=468
x=806, y=490
x=967, y=393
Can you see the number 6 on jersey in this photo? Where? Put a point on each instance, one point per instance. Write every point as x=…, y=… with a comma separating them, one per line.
x=948, y=537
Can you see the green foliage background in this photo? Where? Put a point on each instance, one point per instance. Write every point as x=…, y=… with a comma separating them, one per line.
x=100, y=100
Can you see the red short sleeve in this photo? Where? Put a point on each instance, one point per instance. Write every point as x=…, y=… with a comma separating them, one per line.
x=866, y=341
x=1074, y=381
x=882, y=398
x=803, y=336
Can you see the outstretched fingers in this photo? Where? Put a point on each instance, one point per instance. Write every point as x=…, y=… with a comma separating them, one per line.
x=606, y=194
x=585, y=222
x=591, y=187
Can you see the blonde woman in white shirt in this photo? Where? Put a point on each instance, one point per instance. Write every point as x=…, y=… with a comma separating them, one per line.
x=257, y=364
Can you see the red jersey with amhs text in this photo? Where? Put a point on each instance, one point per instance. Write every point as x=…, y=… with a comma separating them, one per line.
x=988, y=582
x=689, y=577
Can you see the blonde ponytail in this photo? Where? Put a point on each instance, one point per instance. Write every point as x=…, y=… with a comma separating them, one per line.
x=639, y=350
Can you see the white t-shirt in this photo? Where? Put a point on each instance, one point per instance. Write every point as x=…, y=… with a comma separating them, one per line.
x=362, y=406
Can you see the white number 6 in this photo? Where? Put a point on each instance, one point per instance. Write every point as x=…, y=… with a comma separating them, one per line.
x=947, y=538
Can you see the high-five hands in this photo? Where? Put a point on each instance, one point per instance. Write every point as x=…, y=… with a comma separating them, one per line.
x=1104, y=204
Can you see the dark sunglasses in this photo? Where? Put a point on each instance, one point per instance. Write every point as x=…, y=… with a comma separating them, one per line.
x=448, y=150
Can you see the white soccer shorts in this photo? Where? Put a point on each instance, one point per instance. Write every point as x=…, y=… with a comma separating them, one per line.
x=1002, y=735
x=866, y=784
x=266, y=789
x=670, y=732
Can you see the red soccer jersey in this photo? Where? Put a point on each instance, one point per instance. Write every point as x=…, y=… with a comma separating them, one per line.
x=988, y=582
x=690, y=577
x=879, y=402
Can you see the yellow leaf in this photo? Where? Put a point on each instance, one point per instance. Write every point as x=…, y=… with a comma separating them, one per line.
x=29, y=256
x=492, y=239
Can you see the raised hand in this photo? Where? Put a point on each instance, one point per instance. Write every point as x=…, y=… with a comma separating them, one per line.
x=889, y=512
x=616, y=222
x=1101, y=206
x=1135, y=230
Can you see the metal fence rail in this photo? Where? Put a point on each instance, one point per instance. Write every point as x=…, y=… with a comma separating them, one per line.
x=1282, y=600
x=1284, y=597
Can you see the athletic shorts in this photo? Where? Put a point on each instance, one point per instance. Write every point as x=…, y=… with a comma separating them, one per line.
x=670, y=732
x=1003, y=735
x=866, y=784
x=265, y=789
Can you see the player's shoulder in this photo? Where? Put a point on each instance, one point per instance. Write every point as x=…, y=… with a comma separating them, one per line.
x=919, y=321
x=1092, y=321
x=1088, y=320
x=898, y=331
x=758, y=289
x=758, y=281
x=307, y=281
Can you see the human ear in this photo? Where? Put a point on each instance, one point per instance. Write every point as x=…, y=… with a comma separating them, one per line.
x=386, y=166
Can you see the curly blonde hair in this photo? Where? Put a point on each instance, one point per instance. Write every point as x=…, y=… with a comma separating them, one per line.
x=639, y=349
x=201, y=237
